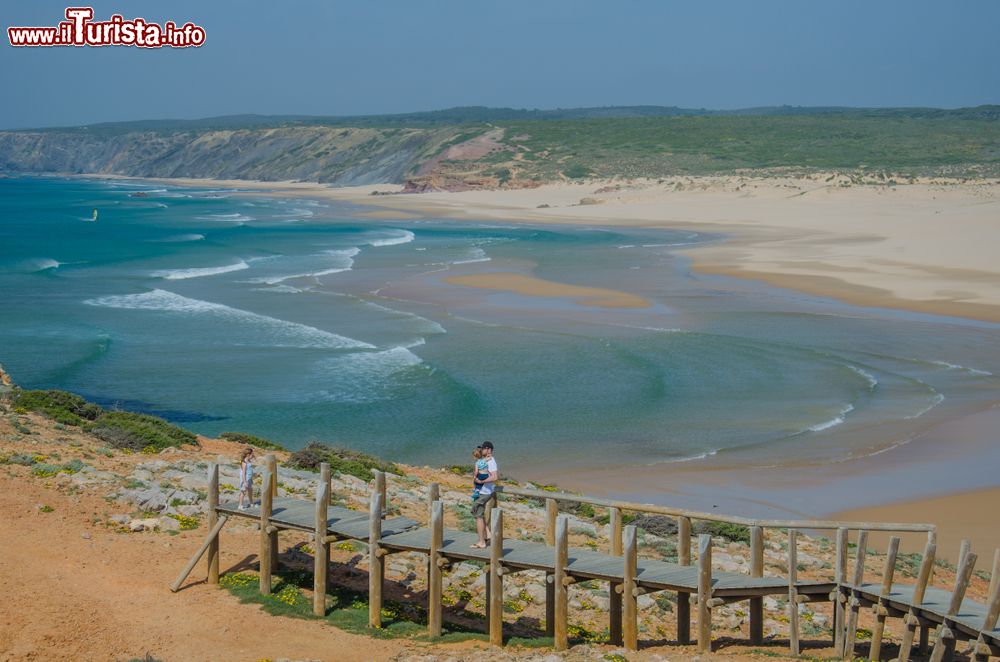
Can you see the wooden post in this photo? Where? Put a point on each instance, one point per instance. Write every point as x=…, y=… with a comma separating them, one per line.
x=496, y=579
x=266, y=563
x=704, y=593
x=756, y=570
x=380, y=487
x=433, y=494
x=614, y=596
x=210, y=521
x=376, y=561
x=944, y=645
x=683, y=597
x=911, y=622
x=880, y=609
x=630, y=591
x=435, y=584
x=212, y=535
x=839, y=595
x=850, y=633
x=272, y=468
x=981, y=651
x=793, y=591
x=995, y=573
x=559, y=576
x=551, y=513
x=321, y=548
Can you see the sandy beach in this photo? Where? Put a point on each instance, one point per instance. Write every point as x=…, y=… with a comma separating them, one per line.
x=537, y=287
x=926, y=246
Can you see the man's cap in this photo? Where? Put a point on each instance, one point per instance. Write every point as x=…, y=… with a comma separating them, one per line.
x=486, y=444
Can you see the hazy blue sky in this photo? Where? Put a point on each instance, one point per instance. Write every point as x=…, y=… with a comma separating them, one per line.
x=380, y=56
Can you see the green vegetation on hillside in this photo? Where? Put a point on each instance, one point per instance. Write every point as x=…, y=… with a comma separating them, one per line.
x=666, y=146
x=252, y=440
x=341, y=460
x=120, y=429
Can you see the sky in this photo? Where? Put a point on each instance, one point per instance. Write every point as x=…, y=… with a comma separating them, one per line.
x=328, y=57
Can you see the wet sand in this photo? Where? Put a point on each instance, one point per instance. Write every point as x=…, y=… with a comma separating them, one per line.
x=537, y=287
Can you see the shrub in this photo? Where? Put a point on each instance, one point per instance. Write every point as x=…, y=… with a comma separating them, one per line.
x=658, y=525
x=60, y=406
x=577, y=171
x=341, y=460
x=732, y=532
x=137, y=432
x=251, y=440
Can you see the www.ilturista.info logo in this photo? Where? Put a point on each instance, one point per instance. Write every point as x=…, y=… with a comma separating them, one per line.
x=79, y=29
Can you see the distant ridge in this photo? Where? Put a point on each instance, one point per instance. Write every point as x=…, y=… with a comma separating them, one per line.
x=475, y=147
x=484, y=115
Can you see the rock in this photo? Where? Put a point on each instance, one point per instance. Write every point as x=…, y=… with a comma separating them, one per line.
x=136, y=526
x=143, y=475
x=168, y=524
x=731, y=622
x=190, y=510
x=155, y=466
x=85, y=535
x=770, y=604
x=645, y=602
x=151, y=523
x=191, y=482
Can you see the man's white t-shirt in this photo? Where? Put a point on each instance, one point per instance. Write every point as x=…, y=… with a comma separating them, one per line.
x=487, y=488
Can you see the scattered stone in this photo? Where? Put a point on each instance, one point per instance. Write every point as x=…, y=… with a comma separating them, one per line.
x=136, y=525
x=168, y=524
x=85, y=535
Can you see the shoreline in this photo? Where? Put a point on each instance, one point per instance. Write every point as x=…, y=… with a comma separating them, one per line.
x=865, y=245
x=749, y=241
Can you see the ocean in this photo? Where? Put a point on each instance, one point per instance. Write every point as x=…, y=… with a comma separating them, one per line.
x=302, y=320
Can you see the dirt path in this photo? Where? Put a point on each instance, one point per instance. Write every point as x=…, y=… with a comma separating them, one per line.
x=106, y=597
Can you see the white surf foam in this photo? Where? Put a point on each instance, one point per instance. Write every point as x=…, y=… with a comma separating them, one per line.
x=478, y=255
x=936, y=399
x=36, y=265
x=398, y=237
x=184, y=274
x=833, y=422
x=178, y=238
x=954, y=366
x=342, y=261
x=364, y=376
x=228, y=218
x=868, y=377
x=282, y=333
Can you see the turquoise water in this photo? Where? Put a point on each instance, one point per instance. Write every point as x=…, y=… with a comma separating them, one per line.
x=299, y=320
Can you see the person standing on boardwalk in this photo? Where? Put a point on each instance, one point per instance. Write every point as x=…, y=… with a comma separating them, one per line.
x=485, y=487
x=246, y=477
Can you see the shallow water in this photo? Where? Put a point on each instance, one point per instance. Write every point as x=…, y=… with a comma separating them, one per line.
x=297, y=320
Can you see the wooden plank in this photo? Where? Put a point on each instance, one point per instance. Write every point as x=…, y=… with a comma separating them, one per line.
x=212, y=535
x=211, y=520
x=911, y=622
x=559, y=576
x=756, y=570
x=793, y=603
x=880, y=613
x=614, y=596
x=684, y=597
x=704, y=593
x=850, y=634
x=630, y=593
x=321, y=548
x=376, y=561
x=266, y=565
x=435, y=580
x=994, y=573
x=496, y=578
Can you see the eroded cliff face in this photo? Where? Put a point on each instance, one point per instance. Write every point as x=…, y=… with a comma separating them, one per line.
x=341, y=156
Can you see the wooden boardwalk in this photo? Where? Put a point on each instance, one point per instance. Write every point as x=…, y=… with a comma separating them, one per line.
x=952, y=617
